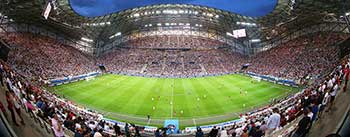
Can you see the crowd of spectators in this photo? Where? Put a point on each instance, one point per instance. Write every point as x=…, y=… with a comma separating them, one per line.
x=306, y=107
x=174, y=42
x=304, y=57
x=42, y=57
x=171, y=63
x=301, y=58
x=62, y=115
x=65, y=115
x=39, y=56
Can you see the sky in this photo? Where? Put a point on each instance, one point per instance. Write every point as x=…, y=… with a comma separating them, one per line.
x=93, y=8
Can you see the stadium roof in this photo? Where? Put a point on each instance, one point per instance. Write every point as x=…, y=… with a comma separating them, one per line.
x=287, y=16
x=93, y=8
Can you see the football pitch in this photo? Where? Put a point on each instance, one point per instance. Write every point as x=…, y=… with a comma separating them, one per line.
x=193, y=101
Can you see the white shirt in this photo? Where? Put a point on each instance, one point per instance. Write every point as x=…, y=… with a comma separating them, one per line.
x=323, y=87
x=223, y=133
x=17, y=91
x=266, y=119
x=59, y=133
x=9, y=82
x=32, y=97
x=97, y=134
x=54, y=123
x=77, y=126
x=24, y=101
x=329, y=84
x=19, y=84
x=334, y=90
x=106, y=128
x=325, y=99
x=239, y=131
x=274, y=121
x=333, y=80
x=310, y=114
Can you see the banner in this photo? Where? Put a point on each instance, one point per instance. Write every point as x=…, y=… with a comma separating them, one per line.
x=47, y=10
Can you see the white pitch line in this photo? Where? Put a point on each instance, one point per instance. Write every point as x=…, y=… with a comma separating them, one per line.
x=194, y=122
x=172, y=99
x=149, y=121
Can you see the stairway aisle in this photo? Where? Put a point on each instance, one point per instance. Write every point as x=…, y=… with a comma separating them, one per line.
x=330, y=120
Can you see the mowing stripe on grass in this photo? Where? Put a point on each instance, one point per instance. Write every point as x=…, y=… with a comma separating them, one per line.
x=194, y=101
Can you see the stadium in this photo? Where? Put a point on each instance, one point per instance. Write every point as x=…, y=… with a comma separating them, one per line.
x=174, y=68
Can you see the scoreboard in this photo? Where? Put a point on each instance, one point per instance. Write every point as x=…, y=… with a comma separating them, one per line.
x=240, y=33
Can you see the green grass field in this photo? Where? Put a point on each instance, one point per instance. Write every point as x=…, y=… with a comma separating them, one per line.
x=131, y=99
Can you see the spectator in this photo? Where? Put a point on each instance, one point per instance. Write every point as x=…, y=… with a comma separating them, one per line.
x=199, y=132
x=126, y=129
x=223, y=133
x=1, y=77
x=17, y=107
x=78, y=133
x=98, y=133
x=60, y=130
x=157, y=133
x=117, y=129
x=263, y=127
x=314, y=110
x=273, y=122
x=30, y=107
x=303, y=125
x=69, y=124
x=2, y=108
x=245, y=133
x=213, y=132
x=57, y=126
x=256, y=132
x=333, y=93
x=10, y=107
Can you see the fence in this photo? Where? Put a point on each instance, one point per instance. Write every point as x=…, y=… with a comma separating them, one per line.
x=66, y=80
x=281, y=81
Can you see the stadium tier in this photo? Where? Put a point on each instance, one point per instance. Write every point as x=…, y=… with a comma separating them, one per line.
x=174, y=42
x=174, y=68
x=171, y=63
x=51, y=59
